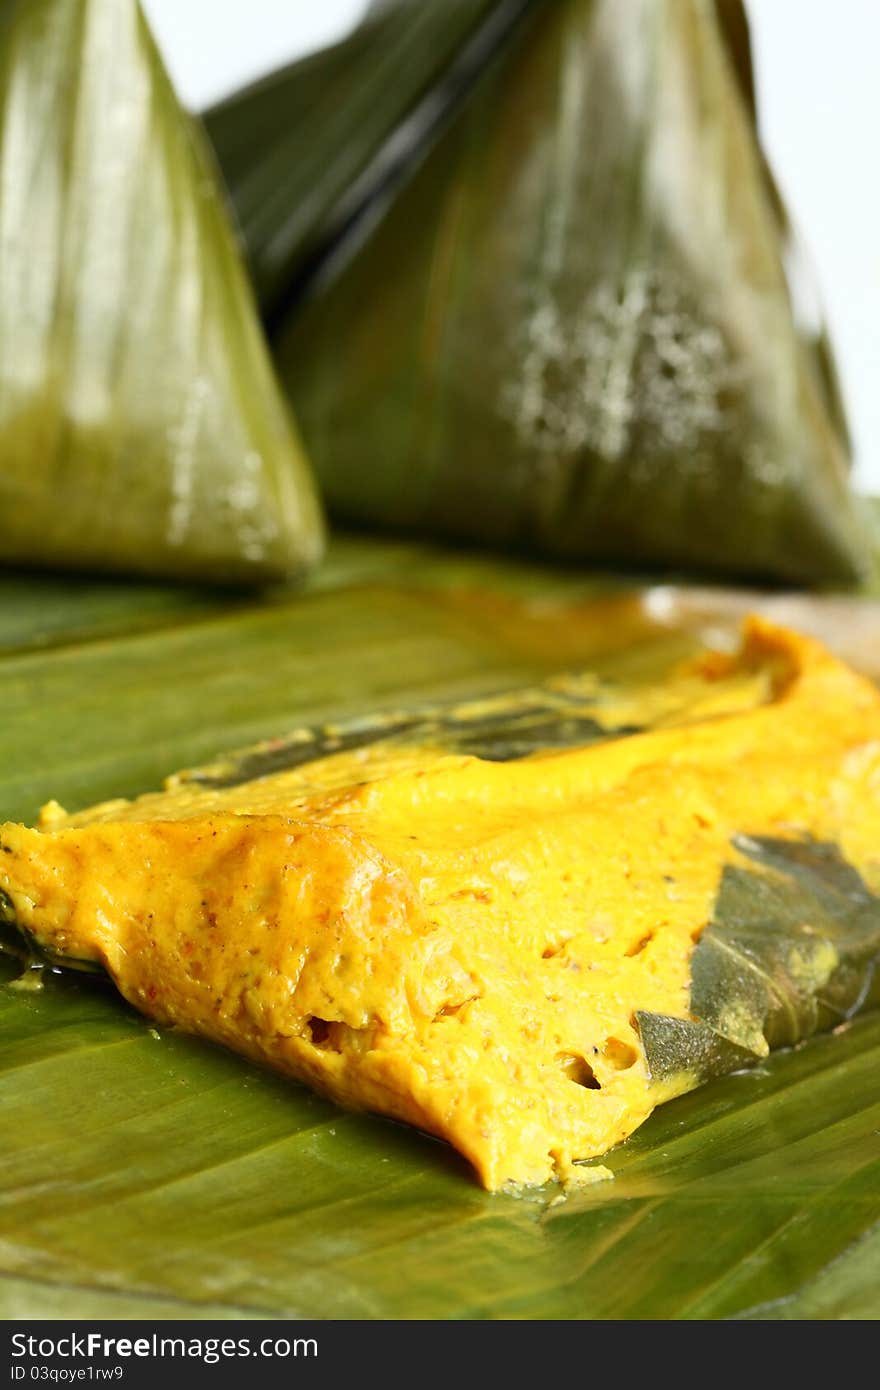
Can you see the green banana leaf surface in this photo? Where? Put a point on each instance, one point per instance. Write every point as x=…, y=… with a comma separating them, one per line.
x=570, y=328
x=310, y=153
x=141, y=425
x=149, y=1175
x=306, y=148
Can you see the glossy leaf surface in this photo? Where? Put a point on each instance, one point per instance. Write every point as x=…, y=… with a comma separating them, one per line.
x=792, y=949
x=572, y=331
x=307, y=149
x=141, y=425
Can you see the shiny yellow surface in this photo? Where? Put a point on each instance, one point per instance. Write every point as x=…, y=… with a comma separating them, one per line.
x=458, y=943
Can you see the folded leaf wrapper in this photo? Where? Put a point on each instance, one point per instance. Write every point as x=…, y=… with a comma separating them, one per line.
x=304, y=147
x=571, y=329
x=141, y=425
x=470, y=921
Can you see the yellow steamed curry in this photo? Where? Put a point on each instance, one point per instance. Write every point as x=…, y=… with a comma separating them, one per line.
x=458, y=943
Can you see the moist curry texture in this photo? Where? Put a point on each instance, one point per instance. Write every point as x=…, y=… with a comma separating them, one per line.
x=462, y=944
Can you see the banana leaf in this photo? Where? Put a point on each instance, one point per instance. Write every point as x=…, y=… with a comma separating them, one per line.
x=571, y=329
x=305, y=148
x=141, y=425
x=789, y=953
x=154, y=1176
x=310, y=150
x=799, y=272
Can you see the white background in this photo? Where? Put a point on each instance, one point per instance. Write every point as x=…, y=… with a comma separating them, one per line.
x=819, y=98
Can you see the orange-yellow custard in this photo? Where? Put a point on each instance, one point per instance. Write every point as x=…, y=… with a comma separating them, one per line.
x=458, y=943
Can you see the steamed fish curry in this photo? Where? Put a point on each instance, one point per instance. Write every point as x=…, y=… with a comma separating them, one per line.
x=466, y=944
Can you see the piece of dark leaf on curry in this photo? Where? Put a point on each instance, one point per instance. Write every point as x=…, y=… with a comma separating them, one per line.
x=792, y=950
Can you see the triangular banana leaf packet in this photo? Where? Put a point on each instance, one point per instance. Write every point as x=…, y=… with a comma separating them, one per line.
x=309, y=151
x=799, y=270
x=141, y=425
x=571, y=329
x=519, y=924
x=305, y=147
